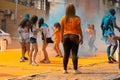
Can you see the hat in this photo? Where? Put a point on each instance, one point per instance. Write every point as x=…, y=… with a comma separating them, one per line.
x=27, y=16
x=112, y=11
x=41, y=20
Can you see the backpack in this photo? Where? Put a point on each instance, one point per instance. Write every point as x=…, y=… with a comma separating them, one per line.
x=106, y=22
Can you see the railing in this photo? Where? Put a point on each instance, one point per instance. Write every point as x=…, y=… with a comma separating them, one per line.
x=39, y=4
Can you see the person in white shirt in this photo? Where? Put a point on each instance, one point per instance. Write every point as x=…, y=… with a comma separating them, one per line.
x=33, y=41
x=46, y=37
x=24, y=40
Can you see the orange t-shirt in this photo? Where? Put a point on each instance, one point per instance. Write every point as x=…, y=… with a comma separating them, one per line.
x=72, y=26
x=57, y=36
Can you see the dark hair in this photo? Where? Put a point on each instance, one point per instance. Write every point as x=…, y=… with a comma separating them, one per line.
x=70, y=11
x=57, y=25
x=23, y=22
x=34, y=19
x=41, y=21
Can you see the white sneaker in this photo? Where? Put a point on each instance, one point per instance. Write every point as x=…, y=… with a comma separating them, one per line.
x=22, y=59
x=65, y=72
x=34, y=64
x=46, y=61
x=76, y=72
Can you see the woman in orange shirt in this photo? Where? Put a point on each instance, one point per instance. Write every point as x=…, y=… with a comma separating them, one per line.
x=71, y=35
x=56, y=35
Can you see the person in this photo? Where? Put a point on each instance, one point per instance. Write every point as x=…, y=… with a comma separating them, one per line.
x=46, y=37
x=26, y=16
x=107, y=27
x=33, y=40
x=71, y=36
x=91, y=35
x=24, y=40
x=57, y=39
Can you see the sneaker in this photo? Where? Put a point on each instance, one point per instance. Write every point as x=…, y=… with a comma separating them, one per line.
x=30, y=62
x=42, y=61
x=60, y=56
x=25, y=58
x=34, y=64
x=77, y=72
x=65, y=72
x=57, y=55
x=112, y=59
x=46, y=61
x=22, y=59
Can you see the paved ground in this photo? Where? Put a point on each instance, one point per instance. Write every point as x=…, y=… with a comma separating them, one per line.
x=92, y=68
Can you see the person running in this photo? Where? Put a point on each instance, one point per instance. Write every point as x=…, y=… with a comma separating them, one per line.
x=71, y=36
x=46, y=37
x=24, y=40
x=57, y=39
x=107, y=26
x=33, y=41
x=91, y=35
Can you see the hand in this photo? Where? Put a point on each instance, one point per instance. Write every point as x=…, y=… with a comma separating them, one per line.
x=81, y=41
x=116, y=38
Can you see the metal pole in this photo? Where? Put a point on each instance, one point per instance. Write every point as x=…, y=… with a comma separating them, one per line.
x=119, y=54
x=16, y=11
x=44, y=4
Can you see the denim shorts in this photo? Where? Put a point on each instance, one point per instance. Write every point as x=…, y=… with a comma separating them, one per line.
x=32, y=40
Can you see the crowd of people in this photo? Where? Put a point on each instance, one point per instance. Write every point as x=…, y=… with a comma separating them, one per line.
x=68, y=32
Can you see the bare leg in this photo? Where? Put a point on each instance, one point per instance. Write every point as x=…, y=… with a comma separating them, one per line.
x=56, y=50
x=44, y=51
x=23, y=49
x=28, y=48
x=36, y=50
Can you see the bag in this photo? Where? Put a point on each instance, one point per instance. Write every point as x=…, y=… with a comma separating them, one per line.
x=106, y=22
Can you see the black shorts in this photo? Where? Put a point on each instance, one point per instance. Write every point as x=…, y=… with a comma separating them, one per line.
x=49, y=40
x=32, y=40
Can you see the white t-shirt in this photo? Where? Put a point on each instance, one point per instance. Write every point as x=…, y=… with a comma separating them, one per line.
x=24, y=33
x=46, y=29
x=34, y=29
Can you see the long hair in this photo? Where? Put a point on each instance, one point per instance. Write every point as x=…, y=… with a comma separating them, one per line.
x=23, y=23
x=57, y=25
x=33, y=21
x=70, y=11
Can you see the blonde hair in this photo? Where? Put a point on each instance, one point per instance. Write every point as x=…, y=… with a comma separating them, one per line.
x=70, y=11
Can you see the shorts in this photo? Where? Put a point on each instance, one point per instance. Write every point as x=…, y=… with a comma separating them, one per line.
x=33, y=40
x=110, y=42
x=24, y=41
x=49, y=40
